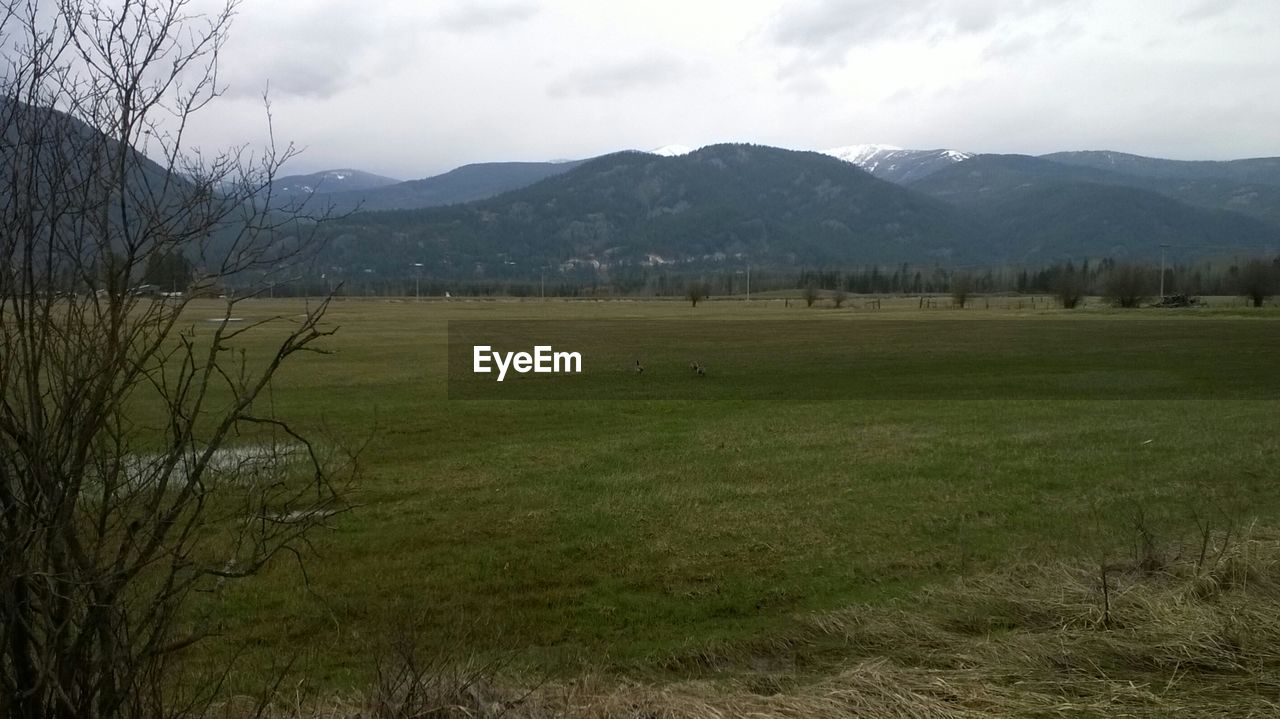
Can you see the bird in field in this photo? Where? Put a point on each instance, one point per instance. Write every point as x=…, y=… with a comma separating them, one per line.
x=639, y=369
x=698, y=369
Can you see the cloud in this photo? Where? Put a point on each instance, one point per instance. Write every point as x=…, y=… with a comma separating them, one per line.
x=825, y=30
x=619, y=77
x=363, y=84
x=313, y=51
x=319, y=48
x=1207, y=9
x=471, y=17
x=1011, y=45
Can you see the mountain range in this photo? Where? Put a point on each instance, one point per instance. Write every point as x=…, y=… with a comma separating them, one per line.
x=733, y=204
x=344, y=191
x=1250, y=187
x=720, y=203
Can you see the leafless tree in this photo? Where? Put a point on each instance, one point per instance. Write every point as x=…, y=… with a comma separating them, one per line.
x=811, y=294
x=961, y=288
x=120, y=495
x=696, y=292
x=1128, y=285
x=1258, y=280
x=1069, y=286
x=838, y=298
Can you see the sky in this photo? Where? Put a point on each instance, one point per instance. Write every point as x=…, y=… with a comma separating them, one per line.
x=412, y=88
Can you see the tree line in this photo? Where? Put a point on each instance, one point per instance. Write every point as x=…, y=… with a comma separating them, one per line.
x=1126, y=283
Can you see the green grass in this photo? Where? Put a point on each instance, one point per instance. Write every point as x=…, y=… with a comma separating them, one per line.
x=626, y=534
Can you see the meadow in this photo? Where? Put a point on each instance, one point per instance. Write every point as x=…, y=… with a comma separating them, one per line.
x=646, y=537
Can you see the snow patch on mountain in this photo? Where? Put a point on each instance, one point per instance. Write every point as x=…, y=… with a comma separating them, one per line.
x=671, y=150
x=895, y=164
x=862, y=154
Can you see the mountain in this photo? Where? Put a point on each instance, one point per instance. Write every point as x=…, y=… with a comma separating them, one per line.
x=464, y=184
x=723, y=206
x=671, y=150
x=72, y=156
x=1262, y=170
x=328, y=182
x=1081, y=220
x=991, y=177
x=719, y=204
x=896, y=164
x=1040, y=211
x=1251, y=186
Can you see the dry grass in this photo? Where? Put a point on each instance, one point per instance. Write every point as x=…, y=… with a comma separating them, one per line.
x=1197, y=635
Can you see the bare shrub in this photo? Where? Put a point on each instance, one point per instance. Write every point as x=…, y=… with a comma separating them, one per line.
x=810, y=294
x=961, y=288
x=839, y=297
x=1069, y=286
x=1258, y=280
x=1128, y=285
x=696, y=292
x=108, y=523
x=412, y=685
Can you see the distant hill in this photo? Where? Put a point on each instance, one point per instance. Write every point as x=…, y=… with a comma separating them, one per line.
x=722, y=203
x=464, y=184
x=1262, y=170
x=989, y=178
x=1249, y=186
x=76, y=149
x=896, y=164
x=1039, y=211
x=1080, y=220
x=328, y=182
x=725, y=206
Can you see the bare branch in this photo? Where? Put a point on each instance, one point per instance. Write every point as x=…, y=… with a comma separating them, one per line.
x=109, y=523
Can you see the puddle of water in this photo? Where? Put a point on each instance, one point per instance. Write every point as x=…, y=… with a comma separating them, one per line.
x=244, y=464
x=300, y=515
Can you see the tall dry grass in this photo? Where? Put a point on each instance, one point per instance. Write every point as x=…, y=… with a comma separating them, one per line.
x=1194, y=632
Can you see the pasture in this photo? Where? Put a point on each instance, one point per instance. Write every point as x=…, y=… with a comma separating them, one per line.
x=643, y=536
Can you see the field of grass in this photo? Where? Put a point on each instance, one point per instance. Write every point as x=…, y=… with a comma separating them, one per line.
x=636, y=536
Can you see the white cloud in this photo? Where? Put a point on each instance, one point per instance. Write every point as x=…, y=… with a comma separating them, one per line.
x=619, y=77
x=409, y=89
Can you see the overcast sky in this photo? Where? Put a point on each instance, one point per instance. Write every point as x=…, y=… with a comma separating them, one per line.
x=411, y=88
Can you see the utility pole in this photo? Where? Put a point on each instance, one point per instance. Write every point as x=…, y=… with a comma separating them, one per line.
x=748, y=282
x=1162, y=249
x=417, y=283
x=543, y=284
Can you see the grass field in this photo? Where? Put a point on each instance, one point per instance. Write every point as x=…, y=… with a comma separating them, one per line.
x=637, y=536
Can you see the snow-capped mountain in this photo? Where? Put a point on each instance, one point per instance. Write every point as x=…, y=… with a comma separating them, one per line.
x=671, y=150
x=896, y=164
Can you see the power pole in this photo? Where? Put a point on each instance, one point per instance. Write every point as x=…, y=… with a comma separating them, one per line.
x=748, y=282
x=417, y=282
x=1162, y=249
